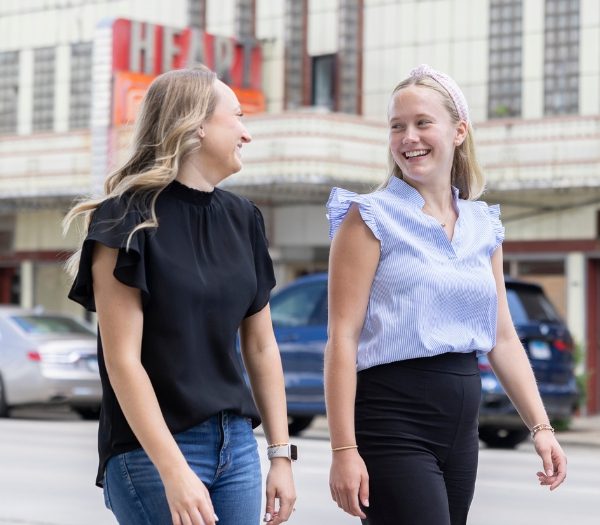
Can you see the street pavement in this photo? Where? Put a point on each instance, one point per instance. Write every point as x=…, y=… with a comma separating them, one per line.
x=47, y=463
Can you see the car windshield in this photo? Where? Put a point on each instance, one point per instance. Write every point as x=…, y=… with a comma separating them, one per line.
x=528, y=305
x=49, y=324
x=300, y=306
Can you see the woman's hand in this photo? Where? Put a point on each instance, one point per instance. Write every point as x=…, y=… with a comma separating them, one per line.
x=553, y=459
x=280, y=485
x=349, y=482
x=188, y=498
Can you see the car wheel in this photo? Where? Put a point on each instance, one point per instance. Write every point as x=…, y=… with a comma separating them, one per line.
x=495, y=437
x=3, y=405
x=297, y=424
x=88, y=413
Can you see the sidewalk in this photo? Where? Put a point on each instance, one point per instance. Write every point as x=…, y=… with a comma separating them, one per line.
x=583, y=431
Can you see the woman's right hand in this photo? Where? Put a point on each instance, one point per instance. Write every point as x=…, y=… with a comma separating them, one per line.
x=349, y=482
x=188, y=498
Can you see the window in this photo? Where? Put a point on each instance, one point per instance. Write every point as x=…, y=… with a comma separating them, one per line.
x=81, y=85
x=43, y=88
x=245, y=19
x=7, y=231
x=350, y=55
x=300, y=306
x=528, y=305
x=46, y=324
x=323, y=81
x=505, y=60
x=197, y=13
x=561, y=59
x=9, y=91
x=296, y=14
x=542, y=267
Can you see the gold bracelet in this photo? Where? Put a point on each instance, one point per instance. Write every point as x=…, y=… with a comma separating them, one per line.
x=275, y=445
x=542, y=426
x=348, y=447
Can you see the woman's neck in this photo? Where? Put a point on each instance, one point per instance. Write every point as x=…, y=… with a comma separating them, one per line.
x=192, y=175
x=438, y=197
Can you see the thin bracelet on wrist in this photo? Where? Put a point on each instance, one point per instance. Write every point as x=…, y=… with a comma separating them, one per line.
x=347, y=447
x=541, y=426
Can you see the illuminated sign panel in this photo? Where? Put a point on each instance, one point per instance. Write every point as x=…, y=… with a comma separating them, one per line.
x=142, y=51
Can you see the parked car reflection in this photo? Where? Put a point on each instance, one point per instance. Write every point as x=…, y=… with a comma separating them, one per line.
x=47, y=359
x=299, y=313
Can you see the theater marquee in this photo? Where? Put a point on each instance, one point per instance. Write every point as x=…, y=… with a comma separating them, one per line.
x=129, y=54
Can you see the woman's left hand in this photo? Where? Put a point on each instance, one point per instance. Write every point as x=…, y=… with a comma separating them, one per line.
x=553, y=458
x=280, y=485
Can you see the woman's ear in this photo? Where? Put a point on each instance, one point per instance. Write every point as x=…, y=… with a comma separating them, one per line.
x=201, y=133
x=461, y=133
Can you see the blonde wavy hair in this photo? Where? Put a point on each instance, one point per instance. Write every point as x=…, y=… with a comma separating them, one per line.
x=175, y=106
x=466, y=174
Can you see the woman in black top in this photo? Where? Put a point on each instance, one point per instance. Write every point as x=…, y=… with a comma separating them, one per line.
x=174, y=266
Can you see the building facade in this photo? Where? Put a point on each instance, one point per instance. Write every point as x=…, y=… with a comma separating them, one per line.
x=529, y=69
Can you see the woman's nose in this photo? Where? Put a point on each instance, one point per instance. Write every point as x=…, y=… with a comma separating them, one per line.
x=409, y=136
x=246, y=137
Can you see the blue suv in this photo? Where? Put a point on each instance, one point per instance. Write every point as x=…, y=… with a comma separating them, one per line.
x=299, y=313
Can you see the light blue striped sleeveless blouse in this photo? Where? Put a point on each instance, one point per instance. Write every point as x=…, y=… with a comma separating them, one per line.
x=430, y=295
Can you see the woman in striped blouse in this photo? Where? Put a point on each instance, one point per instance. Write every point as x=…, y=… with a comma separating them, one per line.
x=416, y=294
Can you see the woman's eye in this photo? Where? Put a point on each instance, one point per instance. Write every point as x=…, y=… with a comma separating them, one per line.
x=423, y=122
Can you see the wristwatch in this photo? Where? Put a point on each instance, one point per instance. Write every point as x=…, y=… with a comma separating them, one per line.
x=285, y=450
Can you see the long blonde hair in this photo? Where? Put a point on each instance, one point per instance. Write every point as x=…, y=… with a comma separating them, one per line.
x=175, y=106
x=466, y=174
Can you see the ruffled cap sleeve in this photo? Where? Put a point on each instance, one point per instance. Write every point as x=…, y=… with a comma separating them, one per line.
x=338, y=205
x=111, y=225
x=497, y=228
x=263, y=265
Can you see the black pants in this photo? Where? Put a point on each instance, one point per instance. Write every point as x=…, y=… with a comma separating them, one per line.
x=416, y=429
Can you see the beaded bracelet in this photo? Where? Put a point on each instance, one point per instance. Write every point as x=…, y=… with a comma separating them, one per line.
x=348, y=447
x=542, y=426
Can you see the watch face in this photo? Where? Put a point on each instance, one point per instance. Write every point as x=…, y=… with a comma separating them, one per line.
x=293, y=452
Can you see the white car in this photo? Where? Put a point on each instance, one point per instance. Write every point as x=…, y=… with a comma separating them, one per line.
x=47, y=359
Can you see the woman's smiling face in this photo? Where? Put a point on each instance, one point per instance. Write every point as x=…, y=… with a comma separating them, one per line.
x=422, y=135
x=224, y=134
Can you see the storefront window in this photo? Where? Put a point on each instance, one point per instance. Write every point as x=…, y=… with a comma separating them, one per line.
x=550, y=275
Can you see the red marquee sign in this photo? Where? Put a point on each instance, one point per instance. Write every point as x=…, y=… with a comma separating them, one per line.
x=141, y=51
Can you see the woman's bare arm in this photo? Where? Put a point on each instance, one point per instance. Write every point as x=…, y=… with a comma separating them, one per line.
x=120, y=319
x=511, y=365
x=353, y=261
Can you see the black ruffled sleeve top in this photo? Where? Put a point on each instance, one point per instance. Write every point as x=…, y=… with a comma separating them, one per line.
x=200, y=272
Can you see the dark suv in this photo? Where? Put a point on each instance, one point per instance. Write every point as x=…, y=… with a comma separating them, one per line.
x=299, y=314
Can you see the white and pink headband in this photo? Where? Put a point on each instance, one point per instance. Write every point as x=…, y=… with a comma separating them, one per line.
x=448, y=84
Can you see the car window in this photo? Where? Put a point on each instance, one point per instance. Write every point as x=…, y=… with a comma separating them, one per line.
x=299, y=305
x=320, y=316
x=528, y=305
x=49, y=324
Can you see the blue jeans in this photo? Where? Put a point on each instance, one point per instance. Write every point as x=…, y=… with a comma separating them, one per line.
x=222, y=451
